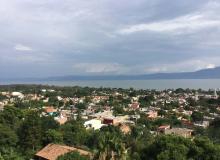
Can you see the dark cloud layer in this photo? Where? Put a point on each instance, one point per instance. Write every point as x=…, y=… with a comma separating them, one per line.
x=53, y=37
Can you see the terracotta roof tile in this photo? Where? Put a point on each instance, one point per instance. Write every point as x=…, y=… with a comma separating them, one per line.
x=53, y=151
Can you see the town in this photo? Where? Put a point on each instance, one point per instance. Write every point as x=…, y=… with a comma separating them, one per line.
x=50, y=122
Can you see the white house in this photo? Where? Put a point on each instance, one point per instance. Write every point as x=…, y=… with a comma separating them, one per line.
x=17, y=94
x=93, y=124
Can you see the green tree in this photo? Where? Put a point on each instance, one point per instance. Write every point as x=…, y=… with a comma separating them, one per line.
x=110, y=145
x=118, y=110
x=81, y=106
x=8, y=137
x=207, y=149
x=11, y=117
x=74, y=133
x=48, y=123
x=146, y=100
x=73, y=156
x=214, y=130
x=10, y=154
x=168, y=147
x=197, y=116
x=30, y=132
x=53, y=136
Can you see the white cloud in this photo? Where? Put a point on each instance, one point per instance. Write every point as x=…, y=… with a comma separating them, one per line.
x=21, y=47
x=187, y=23
x=209, y=66
x=185, y=66
x=98, y=67
x=26, y=58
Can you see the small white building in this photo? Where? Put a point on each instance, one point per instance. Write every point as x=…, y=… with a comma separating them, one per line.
x=203, y=124
x=46, y=100
x=93, y=124
x=43, y=90
x=59, y=98
x=17, y=94
x=51, y=90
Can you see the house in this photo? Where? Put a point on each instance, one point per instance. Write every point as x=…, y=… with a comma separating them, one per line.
x=135, y=106
x=188, y=113
x=93, y=124
x=59, y=98
x=125, y=128
x=182, y=101
x=116, y=121
x=152, y=114
x=109, y=120
x=101, y=115
x=43, y=90
x=50, y=110
x=17, y=94
x=186, y=123
x=67, y=113
x=203, y=124
x=134, y=99
x=134, y=117
x=53, y=151
x=183, y=132
x=46, y=100
x=162, y=129
x=51, y=90
x=5, y=93
x=97, y=99
x=144, y=109
x=61, y=119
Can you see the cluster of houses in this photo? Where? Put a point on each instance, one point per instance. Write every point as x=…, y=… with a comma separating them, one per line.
x=96, y=119
x=96, y=115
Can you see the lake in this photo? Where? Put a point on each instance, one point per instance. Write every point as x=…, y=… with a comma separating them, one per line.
x=137, y=84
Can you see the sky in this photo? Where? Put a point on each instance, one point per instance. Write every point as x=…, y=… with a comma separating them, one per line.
x=42, y=38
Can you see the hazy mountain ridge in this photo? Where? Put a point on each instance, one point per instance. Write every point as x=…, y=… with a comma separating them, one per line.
x=201, y=74
x=213, y=73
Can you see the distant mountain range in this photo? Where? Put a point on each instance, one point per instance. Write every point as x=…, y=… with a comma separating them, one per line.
x=213, y=73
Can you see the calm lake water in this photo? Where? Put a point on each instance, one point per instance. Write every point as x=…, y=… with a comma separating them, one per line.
x=137, y=84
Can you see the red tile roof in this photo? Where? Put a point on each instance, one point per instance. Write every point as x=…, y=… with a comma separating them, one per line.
x=50, y=110
x=135, y=106
x=53, y=151
x=164, y=127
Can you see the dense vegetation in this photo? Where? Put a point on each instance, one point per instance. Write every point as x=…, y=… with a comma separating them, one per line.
x=72, y=155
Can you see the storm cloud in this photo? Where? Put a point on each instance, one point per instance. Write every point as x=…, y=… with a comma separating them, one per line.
x=81, y=37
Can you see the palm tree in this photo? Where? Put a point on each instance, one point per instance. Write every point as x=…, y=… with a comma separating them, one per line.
x=110, y=147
